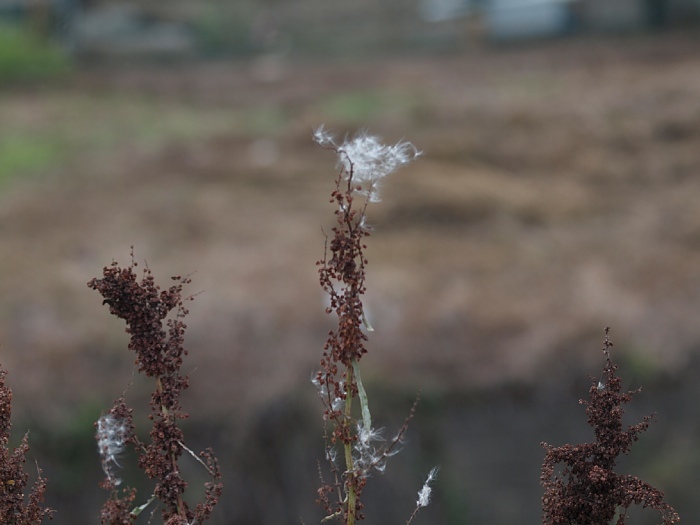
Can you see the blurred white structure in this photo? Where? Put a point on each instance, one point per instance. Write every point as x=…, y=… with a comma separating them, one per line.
x=508, y=19
x=523, y=19
x=441, y=10
x=124, y=30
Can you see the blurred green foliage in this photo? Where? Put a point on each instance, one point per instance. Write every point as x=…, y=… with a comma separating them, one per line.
x=22, y=154
x=224, y=32
x=24, y=57
x=264, y=121
x=365, y=106
x=354, y=107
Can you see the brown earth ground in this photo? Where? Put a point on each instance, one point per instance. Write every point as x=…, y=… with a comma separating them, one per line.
x=557, y=194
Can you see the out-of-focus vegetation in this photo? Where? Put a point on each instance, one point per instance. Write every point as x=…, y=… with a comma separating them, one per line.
x=25, y=57
x=24, y=154
x=222, y=32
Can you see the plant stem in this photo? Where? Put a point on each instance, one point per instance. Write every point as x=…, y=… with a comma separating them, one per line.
x=173, y=460
x=349, y=465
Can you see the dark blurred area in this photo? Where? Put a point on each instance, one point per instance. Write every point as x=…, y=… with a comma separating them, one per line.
x=557, y=195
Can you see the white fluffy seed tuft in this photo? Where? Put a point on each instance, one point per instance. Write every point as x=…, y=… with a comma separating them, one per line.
x=424, y=493
x=366, y=161
x=112, y=434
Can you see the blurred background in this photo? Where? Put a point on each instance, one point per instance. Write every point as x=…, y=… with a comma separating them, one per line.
x=557, y=195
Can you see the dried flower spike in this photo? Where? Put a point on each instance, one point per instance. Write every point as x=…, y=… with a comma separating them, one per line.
x=18, y=505
x=588, y=491
x=154, y=321
x=363, y=162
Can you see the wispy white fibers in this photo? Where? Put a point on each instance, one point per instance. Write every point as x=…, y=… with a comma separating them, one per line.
x=424, y=493
x=365, y=160
x=112, y=434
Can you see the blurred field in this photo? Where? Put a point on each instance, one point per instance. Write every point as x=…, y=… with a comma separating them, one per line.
x=557, y=195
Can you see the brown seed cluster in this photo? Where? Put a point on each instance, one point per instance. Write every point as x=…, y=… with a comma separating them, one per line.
x=588, y=491
x=17, y=507
x=342, y=277
x=154, y=321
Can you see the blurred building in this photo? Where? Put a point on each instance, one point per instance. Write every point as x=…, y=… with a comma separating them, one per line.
x=179, y=28
x=104, y=29
x=44, y=16
x=512, y=19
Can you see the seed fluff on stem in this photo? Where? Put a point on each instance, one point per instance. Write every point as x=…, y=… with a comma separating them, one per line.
x=581, y=482
x=365, y=160
x=112, y=436
x=424, y=493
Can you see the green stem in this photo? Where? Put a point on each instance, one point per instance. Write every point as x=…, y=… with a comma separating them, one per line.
x=349, y=464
